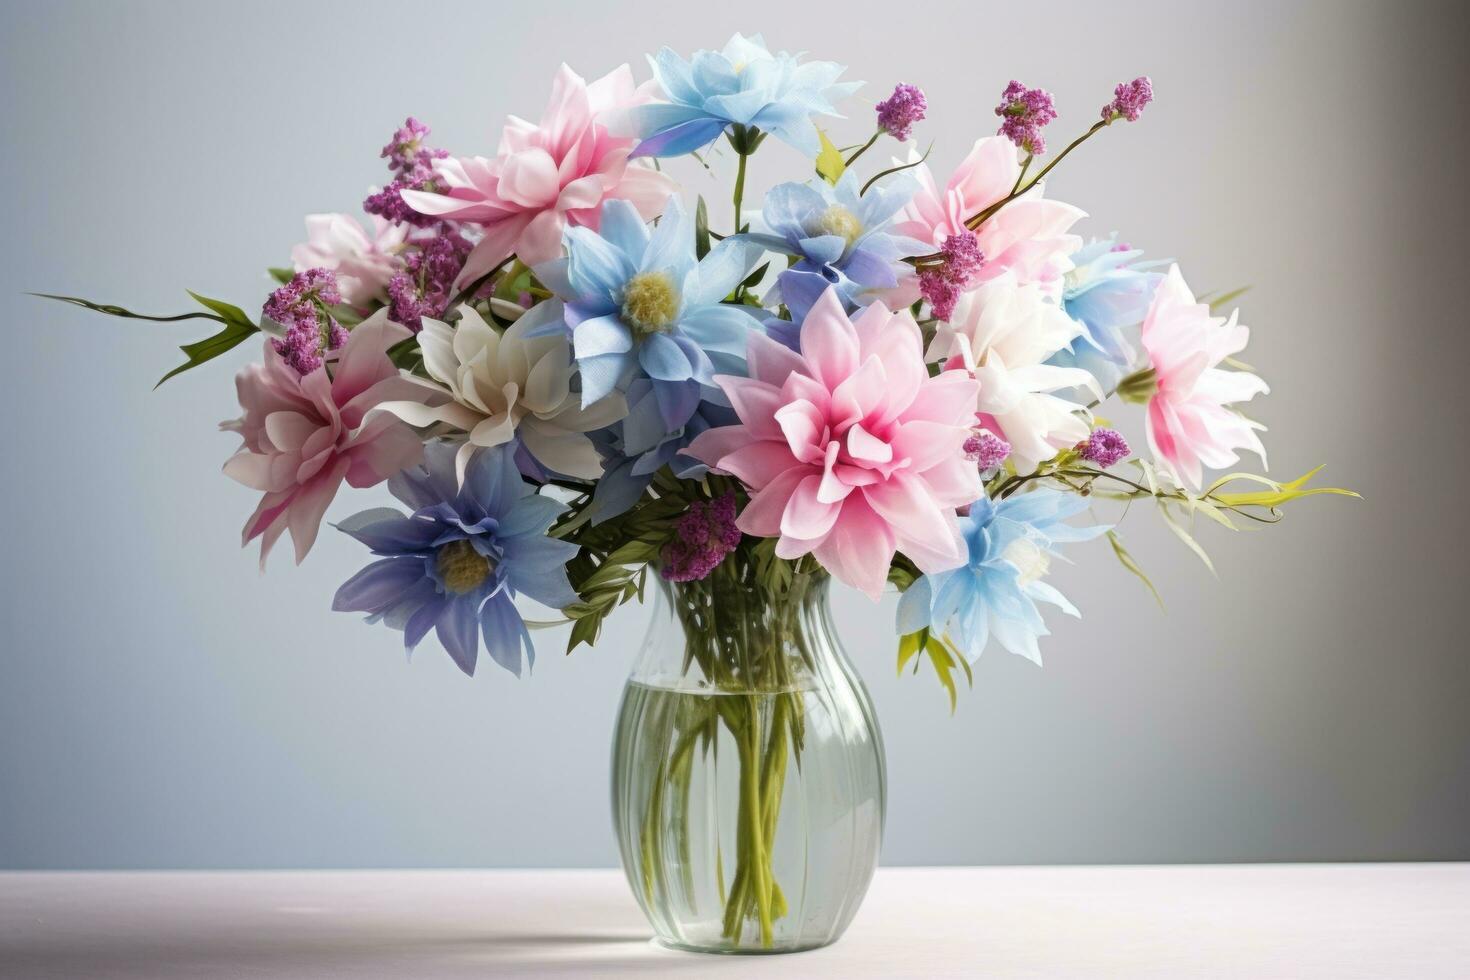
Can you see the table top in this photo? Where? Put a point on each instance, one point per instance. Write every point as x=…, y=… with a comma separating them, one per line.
x=1337, y=921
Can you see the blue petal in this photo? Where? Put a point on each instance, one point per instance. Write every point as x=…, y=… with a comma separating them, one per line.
x=725, y=328
x=505, y=633
x=596, y=269
x=531, y=515
x=661, y=358
x=913, y=607
x=379, y=585
x=624, y=227
x=724, y=268
x=458, y=629
x=681, y=139
x=617, y=491
x=677, y=401
x=674, y=76
x=601, y=335
x=823, y=249
x=386, y=531
x=869, y=271
x=602, y=374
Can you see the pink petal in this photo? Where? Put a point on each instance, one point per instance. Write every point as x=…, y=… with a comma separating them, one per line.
x=863, y=445
x=804, y=429
x=756, y=403
x=922, y=444
x=529, y=179
x=828, y=341
x=304, y=516
x=756, y=464
x=859, y=548
x=761, y=517
x=949, y=396
x=541, y=239
x=711, y=446
x=807, y=517
x=771, y=361
x=925, y=533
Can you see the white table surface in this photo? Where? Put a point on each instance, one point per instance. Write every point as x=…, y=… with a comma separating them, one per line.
x=1298, y=921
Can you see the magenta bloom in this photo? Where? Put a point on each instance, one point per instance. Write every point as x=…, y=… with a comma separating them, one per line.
x=1024, y=112
x=1129, y=99
x=898, y=113
x=1105, y=447
x=850, y=449
x=545, y=177
x=305, y=434
x=704, y=535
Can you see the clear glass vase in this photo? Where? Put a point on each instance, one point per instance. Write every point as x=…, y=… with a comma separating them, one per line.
x=748, y=773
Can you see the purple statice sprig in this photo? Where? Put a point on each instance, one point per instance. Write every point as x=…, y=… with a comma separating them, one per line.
x=425, y=287
x=986, y=450
x=412, y=165
x=1129, y=100
x=301, y=308
x=1105, y=447
x=898, y=113
x=942, y=284
x=1024, y=112
x=703, y=535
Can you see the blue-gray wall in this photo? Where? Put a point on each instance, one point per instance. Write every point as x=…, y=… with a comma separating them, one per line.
x=164, y=705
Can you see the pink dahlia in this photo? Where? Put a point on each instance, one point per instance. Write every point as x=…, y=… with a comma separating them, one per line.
x=547, y=176
x=364, y=261
x=305, y=434
x=1189, y=423
x=850, y=449
x=1028, y=237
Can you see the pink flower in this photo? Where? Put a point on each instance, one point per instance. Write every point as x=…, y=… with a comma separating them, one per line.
x=1027, y=237
x=545, y=177
x=851, y=451
x=305, y=434
x=1189, y=425
x=363, y=263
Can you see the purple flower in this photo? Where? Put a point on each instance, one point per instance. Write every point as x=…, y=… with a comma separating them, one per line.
x=898, y=113
x=426, y=285
x=986, y=449
x=942, y=284
x=1024, y=112
x=1129, y=98
x=704, y=535
x=1104, y=447
x=412, y=164
x=300, y=307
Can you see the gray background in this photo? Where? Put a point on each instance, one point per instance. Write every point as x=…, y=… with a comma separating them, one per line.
x=164, y=705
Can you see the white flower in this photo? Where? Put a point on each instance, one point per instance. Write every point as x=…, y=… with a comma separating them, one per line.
x=363, y=263
x=1003, y=333
x=510, y=385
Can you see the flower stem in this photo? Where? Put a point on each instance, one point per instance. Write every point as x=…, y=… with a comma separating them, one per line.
x=739, y=187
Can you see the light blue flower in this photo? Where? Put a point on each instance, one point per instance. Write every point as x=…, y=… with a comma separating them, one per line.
x=995, y=593
x=457, y=562
x=839, y=236
x=743, y=85
x=1108, y=292
x=639, y=305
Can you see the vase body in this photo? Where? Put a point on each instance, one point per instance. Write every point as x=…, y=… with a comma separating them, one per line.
x=748, y=773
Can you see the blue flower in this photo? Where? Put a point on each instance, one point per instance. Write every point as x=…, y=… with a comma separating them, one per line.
x=996, y=591
x=743, y=85
x=637, y=447
x=639, y=305
x=1108, y=291
x=839, y=236
x=457, y=562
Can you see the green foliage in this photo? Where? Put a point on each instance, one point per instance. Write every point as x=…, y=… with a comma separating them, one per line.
x=237, y=326
x=701, y=228
x=893, y=170
x=942, y=654
x=1128, y=562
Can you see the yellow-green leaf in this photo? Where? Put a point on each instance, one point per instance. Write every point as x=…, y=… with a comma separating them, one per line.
x=1127, y=561
x=830, y=165
x=1275, y=495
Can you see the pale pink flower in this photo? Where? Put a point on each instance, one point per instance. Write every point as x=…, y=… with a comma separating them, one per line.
x=1028, y=237
x=305, y=434
x=363, y=262
x=850, y=449
x=1189, y=423
x=547, y=176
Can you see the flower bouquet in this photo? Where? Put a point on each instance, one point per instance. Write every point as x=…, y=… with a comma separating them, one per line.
x=578, y=383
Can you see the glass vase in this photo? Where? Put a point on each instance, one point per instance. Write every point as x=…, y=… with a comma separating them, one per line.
x=748, y=772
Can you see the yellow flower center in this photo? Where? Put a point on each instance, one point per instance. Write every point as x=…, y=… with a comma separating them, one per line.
x=839, y=221
x=650, y=302
x=461, y=567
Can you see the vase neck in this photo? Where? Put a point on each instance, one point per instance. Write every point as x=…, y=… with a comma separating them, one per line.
x=733, y=632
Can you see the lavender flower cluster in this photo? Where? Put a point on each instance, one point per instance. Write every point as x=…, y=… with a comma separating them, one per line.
x=426, y=286
x=300, y=307
x=898, y=113
x=704, y=535
x=1024, y=112
x=412, y=165
x=943, y=284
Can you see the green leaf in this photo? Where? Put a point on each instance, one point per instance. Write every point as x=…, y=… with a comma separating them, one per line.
x=701, y=228
x=830, y=165
x=944, y=658
x=1276, y=495
x=238, y=328
x=1128, y=562
x=281, y=276
x=909, y=646
x=118, y=311
x=1189, y=541
x=755, y=276
x=584, y=630
x=1219, y=302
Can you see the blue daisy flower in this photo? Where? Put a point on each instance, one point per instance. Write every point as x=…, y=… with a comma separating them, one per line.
x=640, y=305
x=1108, y=291
x=994, y=594
x=458, y=561
x=742, y=85
x=840, y=237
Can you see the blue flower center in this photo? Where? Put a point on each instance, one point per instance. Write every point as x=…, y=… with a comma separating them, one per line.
x=650, y=302
x=461, y=568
